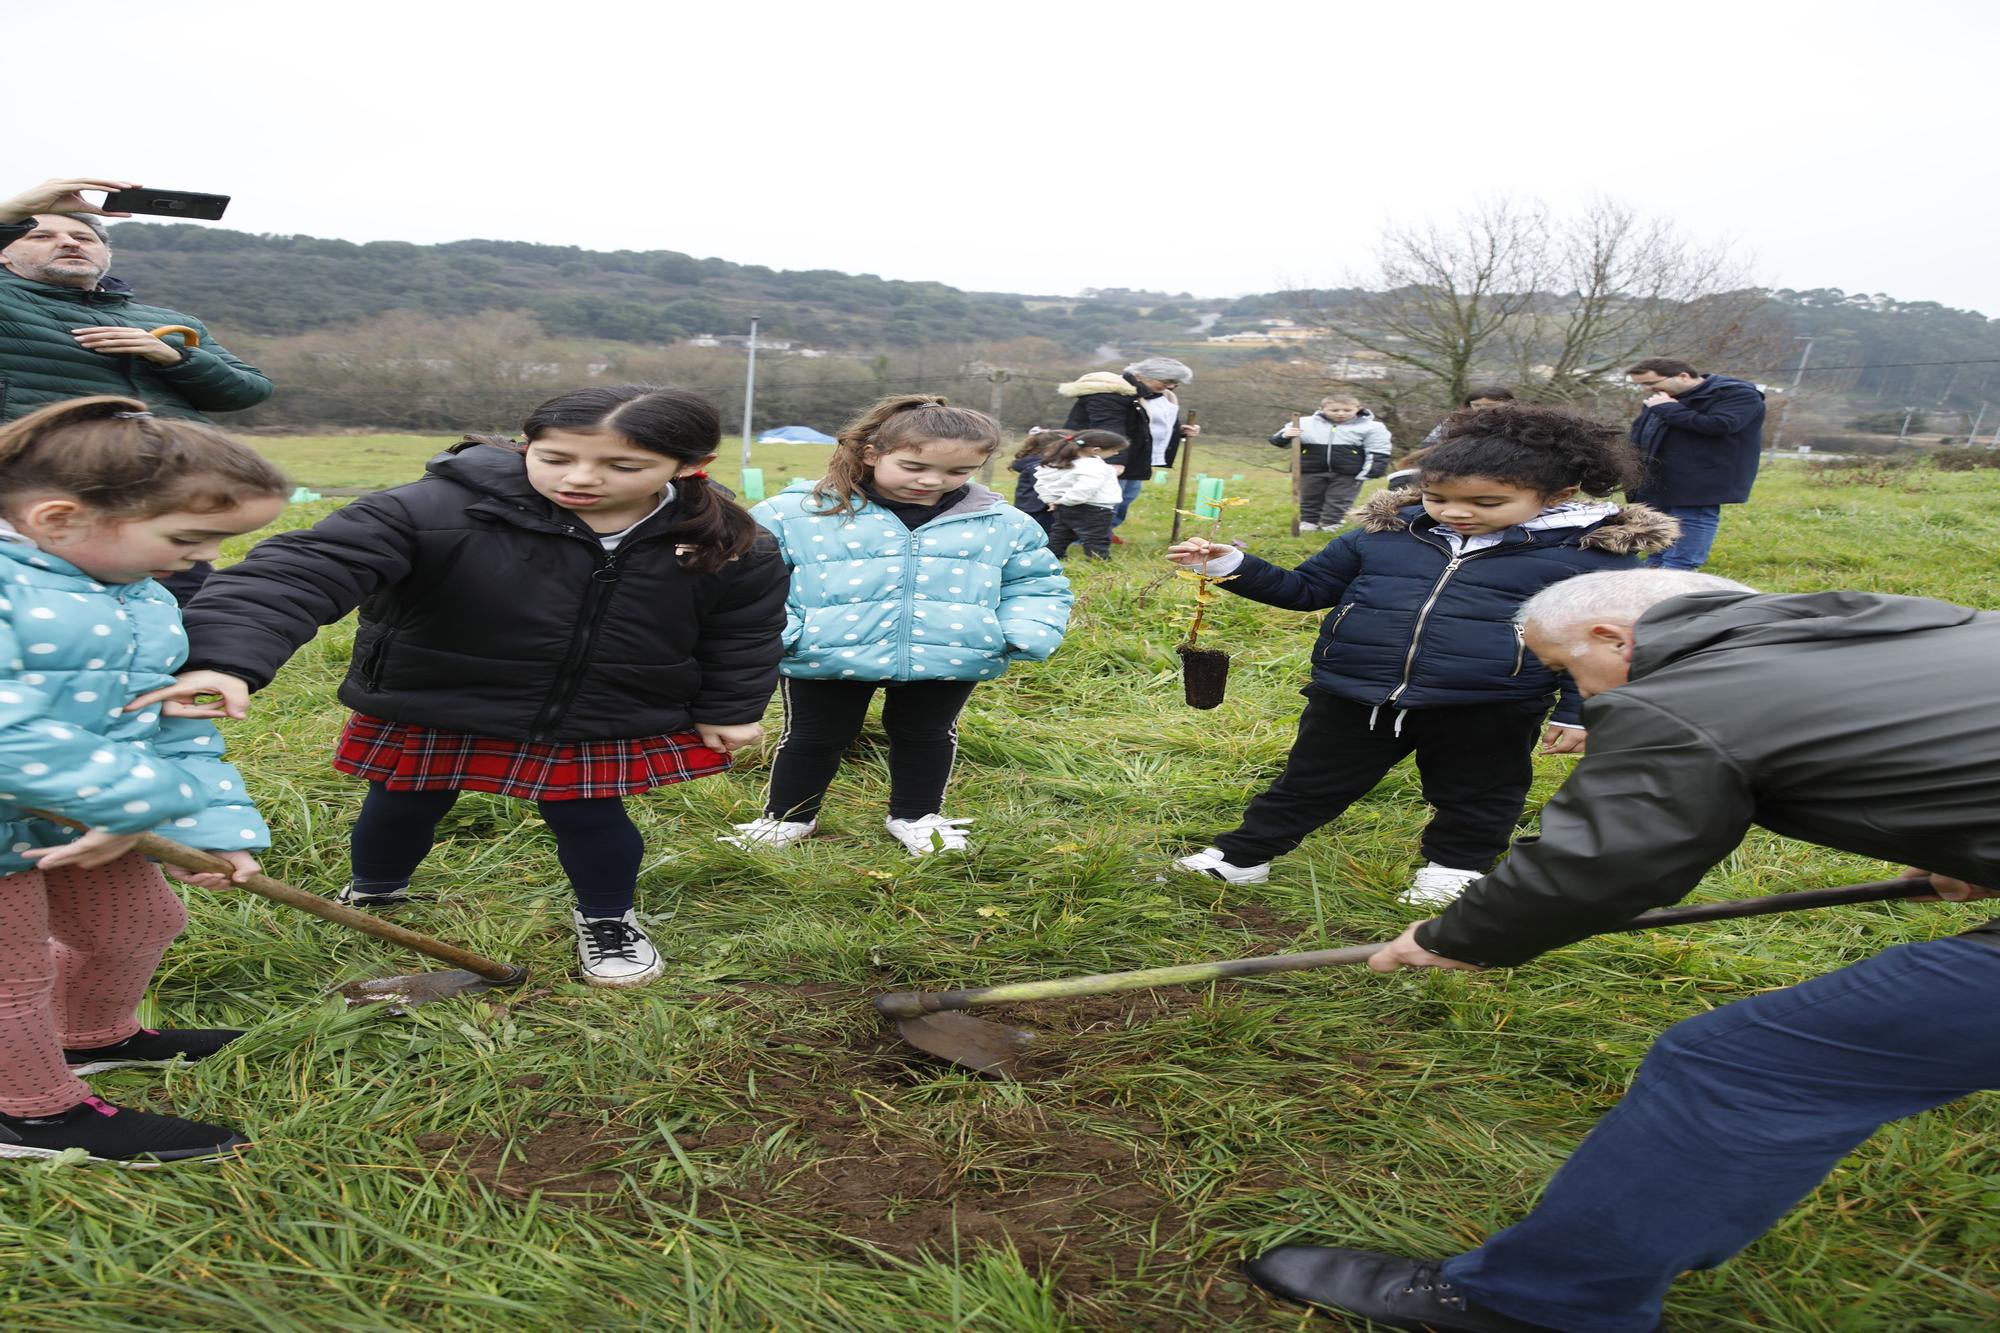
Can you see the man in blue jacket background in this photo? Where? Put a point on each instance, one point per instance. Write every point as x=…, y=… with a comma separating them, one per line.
x=1701, y=436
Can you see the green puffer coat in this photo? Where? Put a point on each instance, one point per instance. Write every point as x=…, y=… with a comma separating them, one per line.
x=40, y=363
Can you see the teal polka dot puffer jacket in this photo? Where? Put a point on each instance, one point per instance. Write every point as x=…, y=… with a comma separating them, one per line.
x=73, y=653
x=956, y=599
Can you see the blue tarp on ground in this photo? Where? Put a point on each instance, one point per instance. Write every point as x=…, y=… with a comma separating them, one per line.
x=794, y=435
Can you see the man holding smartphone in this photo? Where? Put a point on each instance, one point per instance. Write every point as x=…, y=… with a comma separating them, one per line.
x=69, y=331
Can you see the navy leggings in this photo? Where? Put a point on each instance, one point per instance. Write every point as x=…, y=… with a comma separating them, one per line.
x=596, y=842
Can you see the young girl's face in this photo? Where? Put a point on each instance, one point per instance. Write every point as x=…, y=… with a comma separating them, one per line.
x=605, y=479
x=923, y=473
x=1474, y=506
x=113, y=550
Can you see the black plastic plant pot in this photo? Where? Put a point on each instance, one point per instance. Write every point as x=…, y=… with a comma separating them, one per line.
x=1204, y=676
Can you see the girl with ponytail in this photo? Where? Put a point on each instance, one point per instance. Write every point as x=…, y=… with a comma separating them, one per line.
x=570, y=620
x=1421, y=655
x=910, y=577
x=99, y=499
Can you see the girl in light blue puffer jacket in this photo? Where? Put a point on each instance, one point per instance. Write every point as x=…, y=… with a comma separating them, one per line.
x=97, y=500
x=910, y=577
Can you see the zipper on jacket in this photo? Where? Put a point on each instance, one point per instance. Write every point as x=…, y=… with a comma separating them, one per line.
x=1520, y=648
x=590, y=619
x=378, y=657
x=1423, y=614
x=1334, y=628
x=909, y=617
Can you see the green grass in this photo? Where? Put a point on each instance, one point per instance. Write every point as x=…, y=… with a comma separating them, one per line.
x=739, y=1146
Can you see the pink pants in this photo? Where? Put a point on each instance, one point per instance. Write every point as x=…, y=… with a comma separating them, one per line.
x=77, y=948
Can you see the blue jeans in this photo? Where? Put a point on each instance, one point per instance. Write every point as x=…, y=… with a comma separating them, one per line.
x=1130, y=491
x=1698, y=525
x=1736, y=1115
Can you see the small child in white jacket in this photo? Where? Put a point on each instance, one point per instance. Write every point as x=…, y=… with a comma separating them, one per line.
x=1081, y=491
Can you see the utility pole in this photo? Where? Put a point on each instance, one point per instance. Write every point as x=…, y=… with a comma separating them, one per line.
x=1908, y=412
x=1973, y=434
x=999, y=378
x=749, y=389
x=1778, y=435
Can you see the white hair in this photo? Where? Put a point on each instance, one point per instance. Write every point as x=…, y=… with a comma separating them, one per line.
x=1161, y=368
x=1617, y=597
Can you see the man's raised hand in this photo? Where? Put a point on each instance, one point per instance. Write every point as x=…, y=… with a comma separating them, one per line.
x=61, y=196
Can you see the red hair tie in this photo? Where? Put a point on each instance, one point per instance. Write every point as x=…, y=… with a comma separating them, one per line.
x=699, y=472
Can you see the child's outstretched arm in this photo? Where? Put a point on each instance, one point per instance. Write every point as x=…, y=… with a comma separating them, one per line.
x=250, y=618
x=1317, y=584
x=1034, y=597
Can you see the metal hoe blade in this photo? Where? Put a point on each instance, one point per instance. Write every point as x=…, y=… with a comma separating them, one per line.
x=404, y=993
x=971, y=1043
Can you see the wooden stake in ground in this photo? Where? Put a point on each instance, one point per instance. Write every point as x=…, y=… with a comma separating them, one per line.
x=1297, y=436
x=1180, y=487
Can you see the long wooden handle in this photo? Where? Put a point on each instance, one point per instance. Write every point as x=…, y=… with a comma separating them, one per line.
x=909, y=1004
x=1297, y=486
x=277, y=891
x=1180, y=486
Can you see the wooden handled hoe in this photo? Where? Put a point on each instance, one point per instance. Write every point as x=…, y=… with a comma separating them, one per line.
x=930, y=1021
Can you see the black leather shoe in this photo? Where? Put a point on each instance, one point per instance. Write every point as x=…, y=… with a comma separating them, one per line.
x=1393, y=1291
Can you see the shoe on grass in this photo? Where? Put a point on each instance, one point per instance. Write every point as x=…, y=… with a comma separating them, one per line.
x=1308, y=527
x=614, y=951
x=116, y=1136
x=928, y=833
x=149, y=1046
x=1437, y=886
x=1208, y=861
x=1392, y=1291
x=359, y=897
x=770, y=831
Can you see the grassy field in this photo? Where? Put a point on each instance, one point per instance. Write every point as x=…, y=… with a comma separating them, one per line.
x=742, y=1146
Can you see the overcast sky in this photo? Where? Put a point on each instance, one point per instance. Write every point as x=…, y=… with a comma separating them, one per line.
x=1044, y=147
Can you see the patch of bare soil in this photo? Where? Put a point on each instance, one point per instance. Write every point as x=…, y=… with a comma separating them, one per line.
x=568, y=1159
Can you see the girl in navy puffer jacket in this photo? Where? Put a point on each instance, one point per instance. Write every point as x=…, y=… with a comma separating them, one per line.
x=98, y=499
x=1421, y=654
x=910, y=577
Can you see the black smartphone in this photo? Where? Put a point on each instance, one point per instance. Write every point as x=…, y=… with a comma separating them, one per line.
x=167, y=203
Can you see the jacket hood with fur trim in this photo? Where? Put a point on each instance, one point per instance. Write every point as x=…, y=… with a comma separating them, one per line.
x=1098, y=381
x=1633, y=530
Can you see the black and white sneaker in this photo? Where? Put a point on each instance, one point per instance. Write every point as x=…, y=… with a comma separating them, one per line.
x=359, y=897
x=150, y=1046
x=116, y=1136
x=615, y=951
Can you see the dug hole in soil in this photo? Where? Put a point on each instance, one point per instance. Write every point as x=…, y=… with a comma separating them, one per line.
x=1071, y=1183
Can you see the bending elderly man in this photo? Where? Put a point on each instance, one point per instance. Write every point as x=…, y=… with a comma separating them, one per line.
x=1860, y=722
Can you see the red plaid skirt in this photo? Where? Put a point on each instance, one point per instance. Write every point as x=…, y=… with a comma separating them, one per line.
x=405, y=757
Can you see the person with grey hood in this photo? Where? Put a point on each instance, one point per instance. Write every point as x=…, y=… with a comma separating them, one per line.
x=1340, y=447
x=1861, y=722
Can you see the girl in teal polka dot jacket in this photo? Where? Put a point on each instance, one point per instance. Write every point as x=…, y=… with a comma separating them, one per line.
x=910, y=577
x=98, y=499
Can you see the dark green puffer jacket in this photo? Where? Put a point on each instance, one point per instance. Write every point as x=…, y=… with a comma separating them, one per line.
x=40, y=363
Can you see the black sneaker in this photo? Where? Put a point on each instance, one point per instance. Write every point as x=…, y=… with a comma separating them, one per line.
x=359, y=897
x=150, y=1046
x=116, y=1136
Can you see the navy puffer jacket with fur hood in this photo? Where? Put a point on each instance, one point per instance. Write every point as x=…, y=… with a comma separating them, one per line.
x=1414, y=626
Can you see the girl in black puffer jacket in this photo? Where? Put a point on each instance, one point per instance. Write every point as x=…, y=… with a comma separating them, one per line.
x=568, y=622
x=1421, y=654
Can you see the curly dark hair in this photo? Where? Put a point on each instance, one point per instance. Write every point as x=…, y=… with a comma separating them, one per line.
x=1545, y=449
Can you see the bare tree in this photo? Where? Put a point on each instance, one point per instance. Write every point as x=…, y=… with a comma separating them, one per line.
x=1551, y=305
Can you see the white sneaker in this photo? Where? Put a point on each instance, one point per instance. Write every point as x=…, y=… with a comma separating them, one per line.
x=1208, y=861
x=354, y=897
x=770, y=832
x=615, y=951
x=931, y=833
x=1308, y=527
x=1437, y=886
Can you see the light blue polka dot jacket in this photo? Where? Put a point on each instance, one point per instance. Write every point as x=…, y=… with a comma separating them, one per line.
x=73, y=653
x=956, y=599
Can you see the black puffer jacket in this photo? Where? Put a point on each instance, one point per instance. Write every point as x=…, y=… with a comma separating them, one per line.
x=486, y=610
x=1859, y=721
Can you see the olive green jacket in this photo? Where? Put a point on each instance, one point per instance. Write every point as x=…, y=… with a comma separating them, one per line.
x=40, y=363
